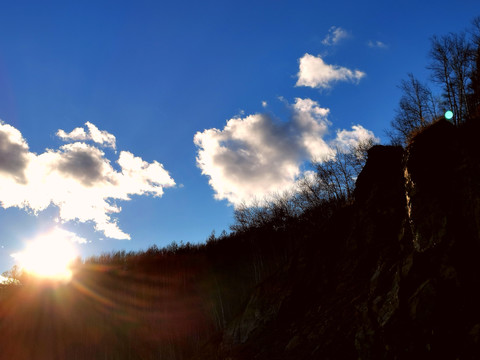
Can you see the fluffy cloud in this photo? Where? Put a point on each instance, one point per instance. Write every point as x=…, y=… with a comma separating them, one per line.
x=77, y=178
x=335, y=34
x=255, y=156
x=100, y=137
x=346, y=139
x=315, y=73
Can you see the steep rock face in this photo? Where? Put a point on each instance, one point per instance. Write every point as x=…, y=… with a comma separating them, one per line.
x=434, y=161
x=426, y=306
x=392, y=276
x=440, y=303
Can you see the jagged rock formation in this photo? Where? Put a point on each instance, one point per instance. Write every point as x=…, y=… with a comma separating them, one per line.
x=394, y=275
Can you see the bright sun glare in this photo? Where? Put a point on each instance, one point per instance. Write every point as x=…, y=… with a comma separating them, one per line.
x=48, y=256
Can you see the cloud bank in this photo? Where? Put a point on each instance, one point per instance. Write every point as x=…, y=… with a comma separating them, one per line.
x=254, y=156
x=315, y=73
x=77, y=178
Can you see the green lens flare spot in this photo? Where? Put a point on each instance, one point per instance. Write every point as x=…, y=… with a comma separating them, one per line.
x=448, y=115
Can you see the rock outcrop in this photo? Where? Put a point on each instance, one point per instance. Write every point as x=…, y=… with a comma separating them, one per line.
x=394, y=275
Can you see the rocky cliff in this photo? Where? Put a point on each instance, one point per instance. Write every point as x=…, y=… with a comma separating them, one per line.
x=393, y=275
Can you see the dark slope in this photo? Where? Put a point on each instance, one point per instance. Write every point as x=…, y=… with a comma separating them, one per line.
x=395, y=275
x=392, y=275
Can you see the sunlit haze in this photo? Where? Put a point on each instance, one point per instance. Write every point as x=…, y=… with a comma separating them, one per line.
x=48, y=256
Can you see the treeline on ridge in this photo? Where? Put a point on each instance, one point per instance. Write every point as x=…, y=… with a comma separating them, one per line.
x=454, y=69
x=167, y=302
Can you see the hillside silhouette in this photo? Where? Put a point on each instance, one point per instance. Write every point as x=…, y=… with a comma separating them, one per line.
x=390, y=273
x=374, y=257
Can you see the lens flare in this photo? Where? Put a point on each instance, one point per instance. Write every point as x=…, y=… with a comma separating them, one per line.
x=48, y=256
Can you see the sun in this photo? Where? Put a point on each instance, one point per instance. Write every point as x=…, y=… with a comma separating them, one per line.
x=48, y=256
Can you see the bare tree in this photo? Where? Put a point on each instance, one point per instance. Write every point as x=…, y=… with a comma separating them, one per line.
x=333, y=178
x=282, y=207
x=336, y=176
x=310, y=192
x=274, y=210
x=451, y=65
x=417, y=107
x=249, y=215
x=474, y=97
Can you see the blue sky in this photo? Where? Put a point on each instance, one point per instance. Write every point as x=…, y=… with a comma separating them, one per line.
x=155, y=74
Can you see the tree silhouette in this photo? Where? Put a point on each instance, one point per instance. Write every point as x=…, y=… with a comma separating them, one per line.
x=474, y=96
x=417, y=107
x=452, y=65
x=332, y=181
x=337, y=174
x=455, y=68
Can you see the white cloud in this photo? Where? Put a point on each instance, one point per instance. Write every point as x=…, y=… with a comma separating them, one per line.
x=264, y=104
x=310, y=126
x=315, y=73
x=77, y=178
x=335, y=34
x=376, y=44
x=346, y=139
x=100, y=137
x=251, y=156
x=255, y=156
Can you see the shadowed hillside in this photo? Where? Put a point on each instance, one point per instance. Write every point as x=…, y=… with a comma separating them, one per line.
x=391, y=274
